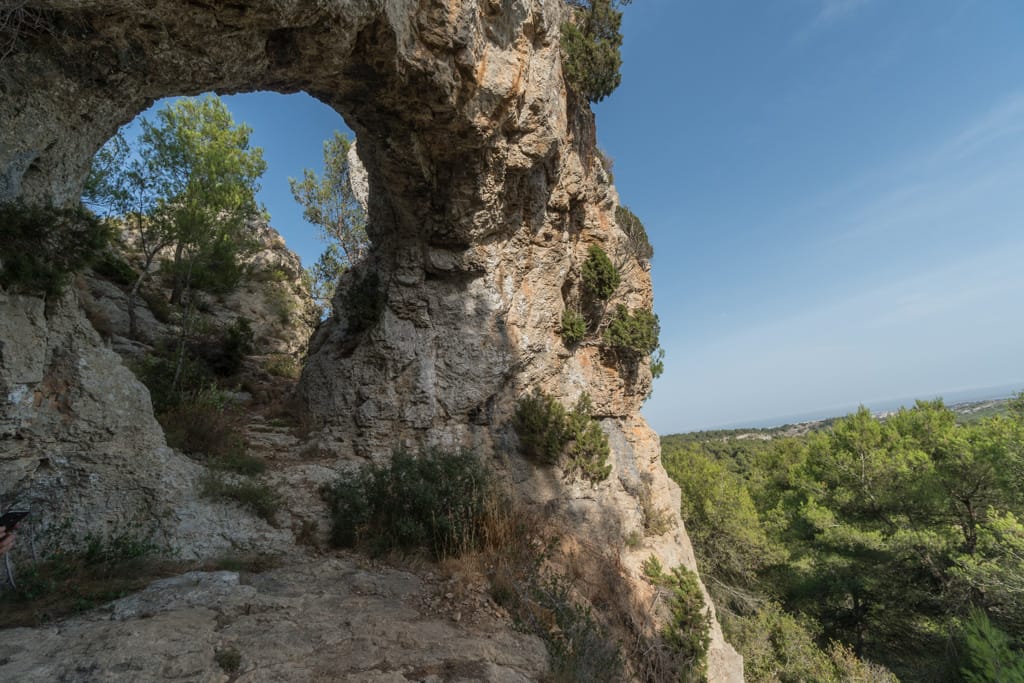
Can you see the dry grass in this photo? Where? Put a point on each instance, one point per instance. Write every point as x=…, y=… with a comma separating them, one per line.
x=54, y=589
x=76, y=575
x=282, y=365
x=256, y=496
x=211, y=433
x=557, y=586
x=550, y=586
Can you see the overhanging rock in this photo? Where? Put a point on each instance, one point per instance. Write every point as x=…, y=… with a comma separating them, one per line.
x=484, y=193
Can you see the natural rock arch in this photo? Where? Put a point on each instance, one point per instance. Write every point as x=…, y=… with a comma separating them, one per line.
x=459, y=110
x=484, y=195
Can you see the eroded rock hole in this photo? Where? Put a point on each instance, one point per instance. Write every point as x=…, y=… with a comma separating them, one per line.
x=231, y=226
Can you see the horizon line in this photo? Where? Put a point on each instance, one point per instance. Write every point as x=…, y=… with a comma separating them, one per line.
x=1000, y=391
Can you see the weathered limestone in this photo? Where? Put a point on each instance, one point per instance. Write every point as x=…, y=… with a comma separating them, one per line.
x=80, y=447
x=271, y=295
x=330, y=620
x=484, y=193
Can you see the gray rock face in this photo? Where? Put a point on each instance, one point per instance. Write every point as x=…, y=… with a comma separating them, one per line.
x=271, y=295
x=80, y=447
x=484, y=194
x=323, y=621
x=74, y=421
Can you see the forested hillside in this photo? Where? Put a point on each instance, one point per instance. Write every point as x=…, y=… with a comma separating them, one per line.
x=868, y=544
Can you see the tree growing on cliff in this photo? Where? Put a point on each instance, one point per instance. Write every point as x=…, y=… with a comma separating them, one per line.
x=329, y=202
x=590, y=47
x=191, y=184
x=207, y=176
x=121, y=185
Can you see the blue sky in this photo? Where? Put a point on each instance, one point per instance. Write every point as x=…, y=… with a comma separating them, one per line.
x=834, y=190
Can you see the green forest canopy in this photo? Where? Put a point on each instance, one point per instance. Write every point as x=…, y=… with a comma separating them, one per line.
x=897, y=541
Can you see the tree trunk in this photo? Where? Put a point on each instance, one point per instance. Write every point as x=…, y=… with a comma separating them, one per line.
x=179, y=278
x=186, y=281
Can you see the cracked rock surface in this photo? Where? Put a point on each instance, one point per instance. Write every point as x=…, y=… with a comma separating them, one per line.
x=328, y=620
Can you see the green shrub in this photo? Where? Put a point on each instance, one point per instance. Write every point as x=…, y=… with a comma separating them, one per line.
x=115, y=269
x=656, y=520
x=219, y=271
x=434, y=501
x=158, y=305
x=44, y=246
x=75, y=574
x=639, y=244
x=273, y=274
x=254, y=495
x=632, y=334
x=653, y=569
x=547, y=433
x=207, y=428
x=574, y=327
x=992, y=656
x=688, y=632
x=229, y=660
x=600, y=276
x=540, y=423
x=590, y=49
x=657, y=363
x=228, y=352
x=282, y=365
x=776, y=646
x=157, y=369
x=588, y=449
x=281, y=303
x=580, y=648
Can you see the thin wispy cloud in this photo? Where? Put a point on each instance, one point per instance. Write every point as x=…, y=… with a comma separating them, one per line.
x=830, y=13
x=933, y=185
x=833, y=10
x=896, y=334
x=1001, y=122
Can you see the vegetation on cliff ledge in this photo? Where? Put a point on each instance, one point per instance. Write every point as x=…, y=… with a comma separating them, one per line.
x=551, y=435
x=590, y=46
x=329, y=202
x=43, y=246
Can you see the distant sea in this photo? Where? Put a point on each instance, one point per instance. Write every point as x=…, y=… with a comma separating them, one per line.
x=883, y=406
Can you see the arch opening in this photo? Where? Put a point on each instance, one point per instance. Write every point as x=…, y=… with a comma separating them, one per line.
x=461, y=162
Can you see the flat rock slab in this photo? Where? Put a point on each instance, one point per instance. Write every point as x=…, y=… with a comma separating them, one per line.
x=327, y=620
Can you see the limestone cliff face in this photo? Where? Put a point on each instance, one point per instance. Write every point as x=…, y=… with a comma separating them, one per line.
x=79, y=445
x=272, y=295
x=78, y=441
x=484, y=194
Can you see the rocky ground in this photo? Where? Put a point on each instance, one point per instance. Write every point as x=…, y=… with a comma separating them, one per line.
x=334, y=618
x=318, y=615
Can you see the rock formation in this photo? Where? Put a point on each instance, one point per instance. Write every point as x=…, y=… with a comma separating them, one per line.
x=271, y=295
x=80, y=447
x=485, y=193
x=331, y=620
